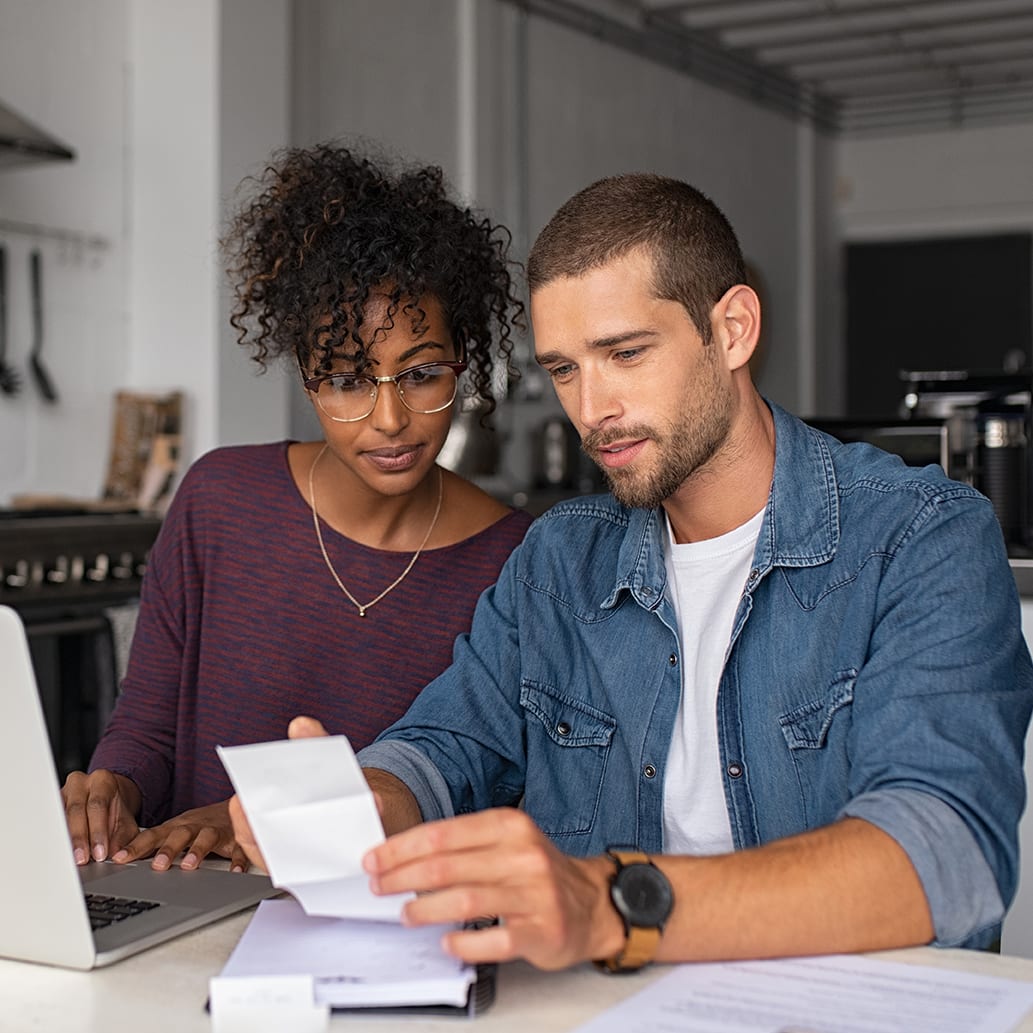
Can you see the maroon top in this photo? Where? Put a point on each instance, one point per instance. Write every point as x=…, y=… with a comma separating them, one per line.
x=242, y=627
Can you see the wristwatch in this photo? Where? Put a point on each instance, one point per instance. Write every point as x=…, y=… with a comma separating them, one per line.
x=643, y=898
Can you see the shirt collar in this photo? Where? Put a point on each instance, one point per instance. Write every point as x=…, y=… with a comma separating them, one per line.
x=800, y=526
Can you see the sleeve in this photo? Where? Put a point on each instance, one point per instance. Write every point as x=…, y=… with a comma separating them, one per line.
x=140, y=738
x=460, y=746
x=941, y=708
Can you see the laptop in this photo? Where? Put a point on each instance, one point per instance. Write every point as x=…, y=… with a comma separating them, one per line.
x=44, y=915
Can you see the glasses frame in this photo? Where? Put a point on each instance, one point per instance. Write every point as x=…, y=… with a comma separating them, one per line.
x=313, y=383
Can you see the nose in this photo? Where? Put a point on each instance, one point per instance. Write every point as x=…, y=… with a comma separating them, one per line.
x=598, y=401
x=389, y=412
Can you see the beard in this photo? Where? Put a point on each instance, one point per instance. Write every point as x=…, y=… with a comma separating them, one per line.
x=683, y=447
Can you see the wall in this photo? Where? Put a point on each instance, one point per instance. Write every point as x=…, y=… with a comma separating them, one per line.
x=619, y=112
x=62, y=65
x=927, y=184
x=166, y=107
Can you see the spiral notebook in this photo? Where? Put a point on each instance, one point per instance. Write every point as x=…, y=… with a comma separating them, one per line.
x=349, y=964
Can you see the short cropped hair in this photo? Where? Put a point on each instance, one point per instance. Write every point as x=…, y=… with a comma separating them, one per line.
x=696, y=256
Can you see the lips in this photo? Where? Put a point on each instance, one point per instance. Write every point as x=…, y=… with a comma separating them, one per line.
x=620, y=453
x=393, y=457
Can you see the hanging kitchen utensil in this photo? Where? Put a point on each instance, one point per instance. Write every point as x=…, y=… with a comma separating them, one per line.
x=10, y=381
x=39, y=370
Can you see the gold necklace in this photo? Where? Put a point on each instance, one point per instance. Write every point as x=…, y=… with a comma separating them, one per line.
x=326, y=559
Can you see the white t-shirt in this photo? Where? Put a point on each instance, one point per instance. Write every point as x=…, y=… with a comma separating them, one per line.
x=706, y=581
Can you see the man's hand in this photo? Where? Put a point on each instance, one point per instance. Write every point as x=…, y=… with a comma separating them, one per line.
x=100, y=809
x=299, y=728
x=199, y=832
x=555, y=909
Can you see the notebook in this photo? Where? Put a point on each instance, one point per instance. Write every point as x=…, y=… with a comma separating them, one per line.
x=43, y=909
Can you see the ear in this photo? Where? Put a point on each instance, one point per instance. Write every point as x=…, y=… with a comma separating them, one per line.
x=735, y=323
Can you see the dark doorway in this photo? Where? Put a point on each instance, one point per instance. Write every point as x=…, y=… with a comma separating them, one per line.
x=937, y=304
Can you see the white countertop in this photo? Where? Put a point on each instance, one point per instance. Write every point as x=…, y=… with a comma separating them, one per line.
x=164, y=989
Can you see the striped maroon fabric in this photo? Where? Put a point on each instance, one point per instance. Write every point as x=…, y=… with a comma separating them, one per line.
x=242, y=628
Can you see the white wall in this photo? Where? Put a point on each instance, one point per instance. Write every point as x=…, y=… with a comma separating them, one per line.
x=62, y=65
x=254, y=121
x=166, y=106
x=173, y=206
x=928, y=184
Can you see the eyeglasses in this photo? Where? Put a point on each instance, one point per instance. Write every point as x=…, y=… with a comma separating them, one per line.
x=349, y=397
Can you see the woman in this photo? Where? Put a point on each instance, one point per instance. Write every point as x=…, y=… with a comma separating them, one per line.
x=329, y=577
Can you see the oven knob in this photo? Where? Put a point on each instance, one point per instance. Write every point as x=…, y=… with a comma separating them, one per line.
x=58, y=574
x=78, y=569
x=19, y=577
x=36, y=573
x=123, y=570
x=99, y=570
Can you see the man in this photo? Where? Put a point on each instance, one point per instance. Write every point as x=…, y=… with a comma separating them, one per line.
x=768, y=699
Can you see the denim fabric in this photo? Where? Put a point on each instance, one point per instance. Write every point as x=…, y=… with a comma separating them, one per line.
x=876, y=668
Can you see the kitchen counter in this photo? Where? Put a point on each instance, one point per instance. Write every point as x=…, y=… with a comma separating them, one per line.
x=1022, y=568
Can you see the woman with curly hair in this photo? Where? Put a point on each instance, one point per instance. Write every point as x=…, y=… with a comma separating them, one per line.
x=330, y=577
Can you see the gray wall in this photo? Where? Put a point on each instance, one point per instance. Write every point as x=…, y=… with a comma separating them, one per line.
x=532, y=112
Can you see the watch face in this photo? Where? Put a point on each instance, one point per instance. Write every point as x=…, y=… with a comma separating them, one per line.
x=643, y=895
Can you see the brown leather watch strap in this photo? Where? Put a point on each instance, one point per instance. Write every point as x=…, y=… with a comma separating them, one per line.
x=640, y=944
x=640, y=948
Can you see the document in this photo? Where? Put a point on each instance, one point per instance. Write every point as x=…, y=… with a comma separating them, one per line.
x=313, y=816
x=828, y=994
x=351, y=964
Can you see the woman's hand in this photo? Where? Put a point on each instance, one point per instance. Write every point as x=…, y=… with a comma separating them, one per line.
x=198, y=833
x=101, y=810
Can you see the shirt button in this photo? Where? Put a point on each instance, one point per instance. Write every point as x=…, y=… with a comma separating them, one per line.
x=563, y=728
x=673, y=660
x=754, y=574
x=647, y=590
x=735, y=770
x=649, y=771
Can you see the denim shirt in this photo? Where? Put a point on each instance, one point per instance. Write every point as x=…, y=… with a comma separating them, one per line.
x=876, y=669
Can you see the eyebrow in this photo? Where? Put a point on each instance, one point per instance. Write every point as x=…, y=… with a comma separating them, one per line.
x=415, y=350
x=600, y=343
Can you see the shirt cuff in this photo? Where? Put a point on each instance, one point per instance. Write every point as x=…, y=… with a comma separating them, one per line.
x=963, y=896
x=411, y=766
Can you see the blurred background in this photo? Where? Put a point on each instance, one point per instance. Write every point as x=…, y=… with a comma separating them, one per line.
x=887, y=143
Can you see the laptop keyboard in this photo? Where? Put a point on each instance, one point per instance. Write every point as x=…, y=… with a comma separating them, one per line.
x=105, y=911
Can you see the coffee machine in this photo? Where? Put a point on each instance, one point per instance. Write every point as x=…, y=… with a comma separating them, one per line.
x=988, y=417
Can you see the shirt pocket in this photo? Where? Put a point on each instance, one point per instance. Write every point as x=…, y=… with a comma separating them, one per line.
x=816, y=734
x=568, y=743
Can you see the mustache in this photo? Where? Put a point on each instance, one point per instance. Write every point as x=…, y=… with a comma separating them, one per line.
x=595, y=440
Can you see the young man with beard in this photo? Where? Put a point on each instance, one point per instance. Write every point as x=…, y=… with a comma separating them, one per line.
x=767, y=698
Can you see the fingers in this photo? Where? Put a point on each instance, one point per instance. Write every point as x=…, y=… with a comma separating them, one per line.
x=467, y=832
x=305, y=728
x=194, y=834
x=74, y=794
x=100, y=819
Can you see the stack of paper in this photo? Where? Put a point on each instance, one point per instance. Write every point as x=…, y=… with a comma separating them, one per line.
x=337, y=944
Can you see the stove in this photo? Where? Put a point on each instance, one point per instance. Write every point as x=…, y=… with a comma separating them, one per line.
x=74, y=579
x=89, y=560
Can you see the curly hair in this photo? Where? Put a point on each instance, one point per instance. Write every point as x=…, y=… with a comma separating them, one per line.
x=327, y=227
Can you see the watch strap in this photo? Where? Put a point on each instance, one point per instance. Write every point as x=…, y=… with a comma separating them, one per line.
x=641, y=942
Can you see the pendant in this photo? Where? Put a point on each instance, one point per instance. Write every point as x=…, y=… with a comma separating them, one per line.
x=362, y=611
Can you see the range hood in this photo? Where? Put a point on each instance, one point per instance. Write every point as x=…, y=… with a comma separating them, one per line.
x=22, y=143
